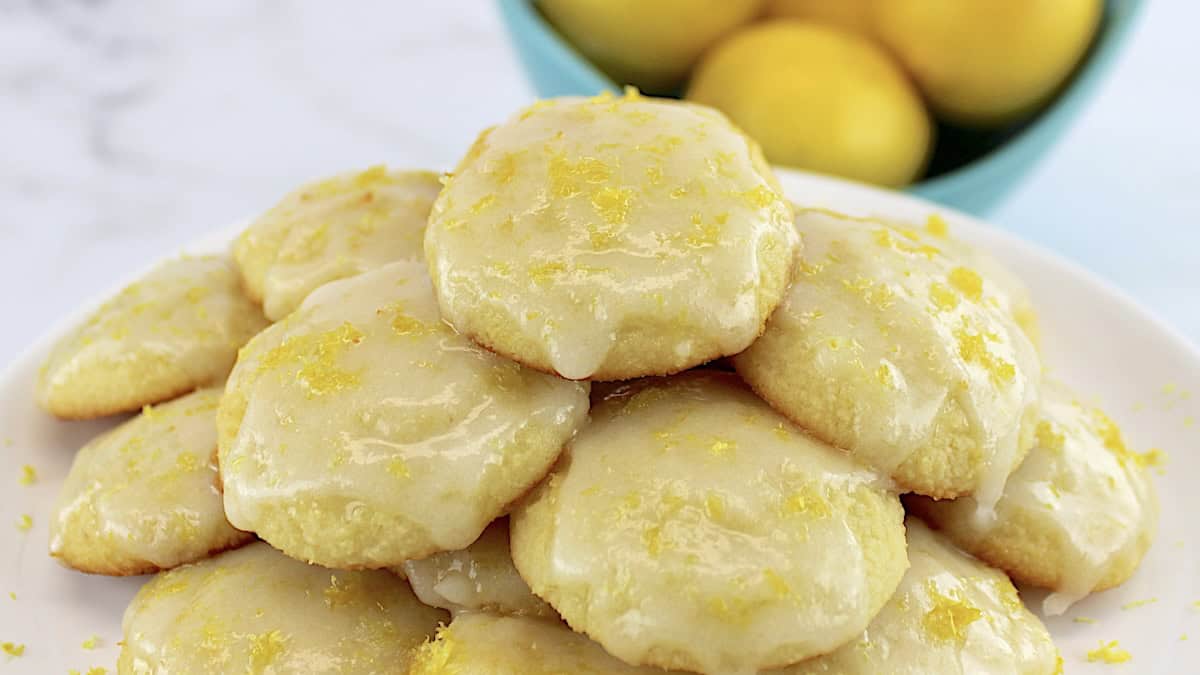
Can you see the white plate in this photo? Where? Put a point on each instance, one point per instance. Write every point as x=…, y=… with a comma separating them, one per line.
x=1096, y=338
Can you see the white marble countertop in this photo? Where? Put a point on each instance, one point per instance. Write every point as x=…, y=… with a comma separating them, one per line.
x=128, y=128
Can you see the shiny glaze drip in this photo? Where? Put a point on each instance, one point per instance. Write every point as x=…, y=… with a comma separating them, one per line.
x=480, y=577
x=1100, y=494
x=1083, y=485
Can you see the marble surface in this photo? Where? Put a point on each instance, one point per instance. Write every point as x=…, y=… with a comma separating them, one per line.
x=128, y=128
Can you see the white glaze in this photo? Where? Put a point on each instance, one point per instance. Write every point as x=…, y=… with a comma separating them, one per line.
x=951, y=615
x=255, y=610
x=334, y=229
x=582, y=229
x=691, y=526
x=483, y=644
x=1090, y=497
x=177, y=328
x=1101, y=502
x=144, y=495
x=900, y=327
x=373, y=434
x=480, y=577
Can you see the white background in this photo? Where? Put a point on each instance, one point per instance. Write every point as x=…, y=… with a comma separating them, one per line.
x=129, y=128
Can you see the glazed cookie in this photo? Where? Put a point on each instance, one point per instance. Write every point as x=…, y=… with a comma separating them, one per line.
x=1009, y=293
x=480, y=577
x=485, y=644
x=333, y=229
x=176, y=329
x=142, y=497
x=1076, y=517
x=891, y=346
x=361, y=431
x=255, y=610
x=951, y=615
x=611, y=238
x=690, y=526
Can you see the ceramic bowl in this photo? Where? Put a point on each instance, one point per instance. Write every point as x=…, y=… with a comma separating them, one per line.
x=1000, y=159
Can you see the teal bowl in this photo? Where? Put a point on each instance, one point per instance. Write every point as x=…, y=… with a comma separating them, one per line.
x=974, y=181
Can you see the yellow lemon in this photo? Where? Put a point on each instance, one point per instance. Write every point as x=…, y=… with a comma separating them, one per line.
x=819, y=98
x=987, y=62
x=648, y=43
x=854, y=15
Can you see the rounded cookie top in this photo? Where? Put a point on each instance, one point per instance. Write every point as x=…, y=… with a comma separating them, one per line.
x=143, y=496
x=486, y=644
x=690, y=526
x=361, y=431
x=333, y=229
x=254, y=610
x=176, y=329
x=611, y=238
x=1008, y=292
x=891, y=345
x=951, y=615
x=1077, y=516
x=480, y=577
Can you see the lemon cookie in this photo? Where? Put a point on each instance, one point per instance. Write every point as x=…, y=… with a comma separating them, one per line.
x=256, y=610
x=333, y=229
x=610, y=238
x=176, y=329
x=142, y=497
x=690, y=526
x=1076, y=517
x=893, y=347
x=361, y=431
x=951, y=615
x=1009, y=292
x=484, y=644
x=480, y=577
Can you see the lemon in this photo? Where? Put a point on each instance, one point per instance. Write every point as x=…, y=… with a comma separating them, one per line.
x=853, y=15
x=648, y=43
x=819, y=98
x=987, y=62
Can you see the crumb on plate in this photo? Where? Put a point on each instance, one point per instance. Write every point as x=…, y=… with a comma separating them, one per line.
x=1139, y=603
x=1109, y=652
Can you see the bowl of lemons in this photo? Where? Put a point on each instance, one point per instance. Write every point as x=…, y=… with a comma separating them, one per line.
x=954, y=101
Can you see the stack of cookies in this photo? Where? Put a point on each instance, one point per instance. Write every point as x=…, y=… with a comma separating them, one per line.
x=601, y=400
